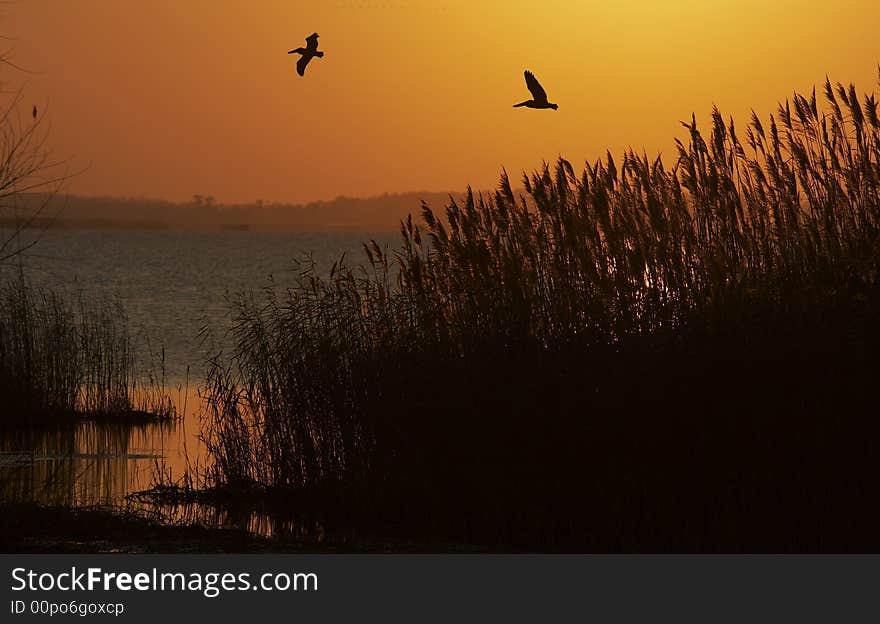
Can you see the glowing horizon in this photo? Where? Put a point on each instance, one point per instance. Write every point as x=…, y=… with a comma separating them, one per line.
x=172, y=99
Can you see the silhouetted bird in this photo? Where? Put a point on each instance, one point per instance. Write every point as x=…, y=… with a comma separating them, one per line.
x=539, y=96
x=307, y=53
x=35, y=111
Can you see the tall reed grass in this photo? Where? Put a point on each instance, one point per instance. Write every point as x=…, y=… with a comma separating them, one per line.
x=63, y=358
x=633, y=356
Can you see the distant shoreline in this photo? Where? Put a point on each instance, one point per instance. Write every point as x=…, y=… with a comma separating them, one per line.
x=378, y=214
x=162, y=226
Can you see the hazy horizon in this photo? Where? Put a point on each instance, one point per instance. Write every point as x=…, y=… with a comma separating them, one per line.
x=174, y=99
x=376, y=213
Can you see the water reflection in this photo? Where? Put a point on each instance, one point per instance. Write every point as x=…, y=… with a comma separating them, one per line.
x=302, y=528
x=85, y=464
x=97, y=463
x=170, y=284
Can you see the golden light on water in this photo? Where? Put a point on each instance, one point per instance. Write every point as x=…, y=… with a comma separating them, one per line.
x=169, y=98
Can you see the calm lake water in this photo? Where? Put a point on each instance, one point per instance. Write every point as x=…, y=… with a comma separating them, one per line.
x=170, y=284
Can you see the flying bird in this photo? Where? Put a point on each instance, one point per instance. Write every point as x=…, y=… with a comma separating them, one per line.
x=307, y=53
x=539, y=96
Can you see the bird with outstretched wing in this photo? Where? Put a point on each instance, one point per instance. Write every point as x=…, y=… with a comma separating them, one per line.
x=539, y=96
x=537, y=91
x=307, y=53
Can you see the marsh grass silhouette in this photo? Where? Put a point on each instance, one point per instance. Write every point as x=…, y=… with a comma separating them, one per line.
x=64, y=358
x=629, y=358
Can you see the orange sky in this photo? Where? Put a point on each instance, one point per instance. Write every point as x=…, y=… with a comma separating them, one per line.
x=168, y=98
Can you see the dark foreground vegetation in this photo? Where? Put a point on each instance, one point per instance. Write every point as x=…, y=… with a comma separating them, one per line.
x=35, y=528
x=629, y=358
x=32, y=528
x=62, y=359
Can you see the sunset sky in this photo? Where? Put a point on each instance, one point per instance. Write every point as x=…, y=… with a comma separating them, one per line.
x=168, y=98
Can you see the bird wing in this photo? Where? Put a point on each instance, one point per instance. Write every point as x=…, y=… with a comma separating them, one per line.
x=301, y=64
x=312, y=42
x=538, y=93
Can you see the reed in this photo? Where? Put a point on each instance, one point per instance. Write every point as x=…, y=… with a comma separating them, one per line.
x=63, y=359
x=633, y=356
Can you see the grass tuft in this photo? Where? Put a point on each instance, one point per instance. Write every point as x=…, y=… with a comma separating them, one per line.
x=630, y=357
